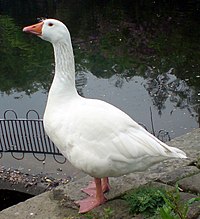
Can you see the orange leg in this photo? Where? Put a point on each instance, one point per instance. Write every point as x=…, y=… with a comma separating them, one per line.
x=105, y=184
x=92, y=201
x=91, y=188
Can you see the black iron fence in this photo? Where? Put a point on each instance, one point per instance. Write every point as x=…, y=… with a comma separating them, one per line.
x=27, y=135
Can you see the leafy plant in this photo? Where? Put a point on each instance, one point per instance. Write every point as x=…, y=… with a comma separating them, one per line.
x=159, y=203
x=174, y=208
x=145, y=200
x=166, y=213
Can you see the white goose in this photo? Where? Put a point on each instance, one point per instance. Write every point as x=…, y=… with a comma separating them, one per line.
x=93, y=135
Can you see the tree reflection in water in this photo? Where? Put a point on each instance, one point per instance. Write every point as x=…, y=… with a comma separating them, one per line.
x=157, y=41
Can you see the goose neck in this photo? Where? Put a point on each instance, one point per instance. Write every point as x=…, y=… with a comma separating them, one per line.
x=64, y=61
x=64, y=79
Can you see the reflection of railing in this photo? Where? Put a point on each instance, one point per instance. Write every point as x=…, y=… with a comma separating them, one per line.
x=20, y=136
x=25, y=136
x=163, y=135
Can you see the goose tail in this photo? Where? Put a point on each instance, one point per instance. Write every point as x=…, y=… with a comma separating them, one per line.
x=175, y=152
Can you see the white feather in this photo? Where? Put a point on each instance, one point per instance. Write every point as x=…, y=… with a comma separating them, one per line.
x=93, y=135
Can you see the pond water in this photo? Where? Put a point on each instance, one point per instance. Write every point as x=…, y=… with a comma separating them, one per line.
x=140, y=56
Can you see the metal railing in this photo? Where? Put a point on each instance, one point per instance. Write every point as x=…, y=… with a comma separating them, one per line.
x=20, y=136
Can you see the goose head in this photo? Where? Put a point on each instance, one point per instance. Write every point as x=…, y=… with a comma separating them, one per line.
x=50, y=30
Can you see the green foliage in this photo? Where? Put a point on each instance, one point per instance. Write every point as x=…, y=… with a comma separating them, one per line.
x=158, y=203
x=145, y=200
x=23, y=66
x=109, y=37
x=174, y=208
x=166, y=213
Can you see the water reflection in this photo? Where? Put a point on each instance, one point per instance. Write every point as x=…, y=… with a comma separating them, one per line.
x=122, y=51
x=165, y=86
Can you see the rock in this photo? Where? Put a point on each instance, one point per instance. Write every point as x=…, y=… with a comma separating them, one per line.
x=191, y=184
x=194, y=209
x=59, y=203
x=114, y=209
x=172, y=177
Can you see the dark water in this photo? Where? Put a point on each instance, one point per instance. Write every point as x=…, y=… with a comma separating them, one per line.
x=10, y=198
x=133, y=54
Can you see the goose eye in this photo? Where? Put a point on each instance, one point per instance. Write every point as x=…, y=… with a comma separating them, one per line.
x=50, y=24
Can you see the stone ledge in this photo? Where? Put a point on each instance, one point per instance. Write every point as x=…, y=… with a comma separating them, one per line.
x=58, y=203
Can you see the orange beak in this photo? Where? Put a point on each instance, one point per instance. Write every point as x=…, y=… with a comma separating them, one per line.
x=34, y=29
